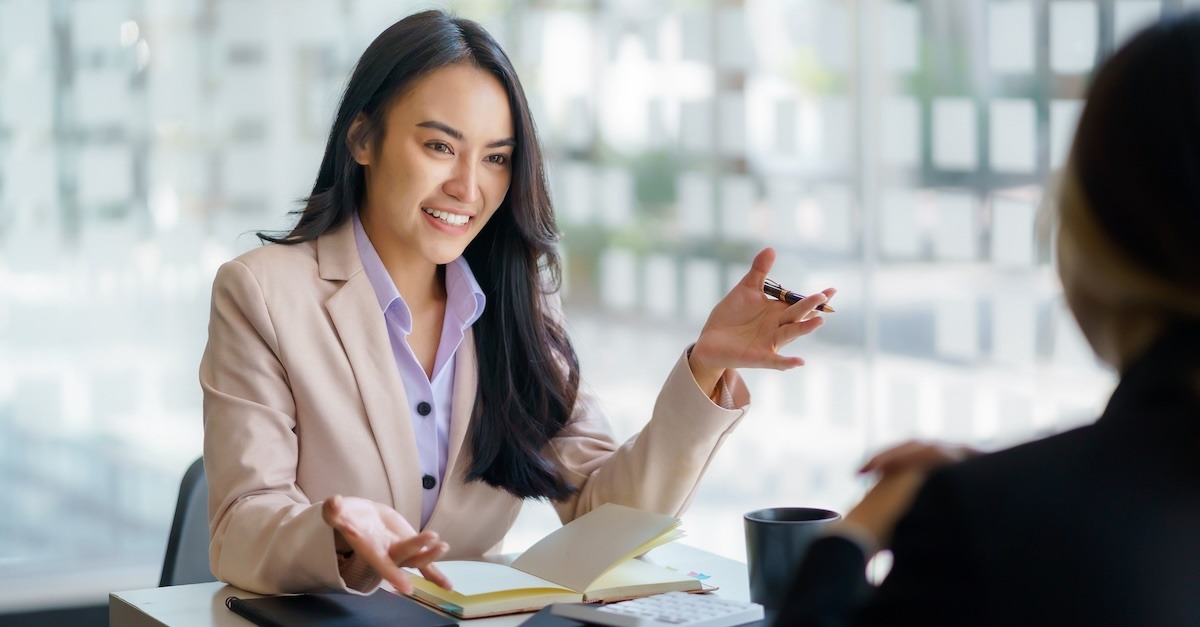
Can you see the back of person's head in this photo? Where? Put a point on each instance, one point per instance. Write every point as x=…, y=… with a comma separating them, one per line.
x=1129, y=206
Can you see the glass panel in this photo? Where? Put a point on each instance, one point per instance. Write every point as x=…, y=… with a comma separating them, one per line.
x=956, y=238
x=1064, y=114
x=900, y=23
x=616, y=197
x=1010, y=36
x=739, y=208
x=954, y=135
x=900, y=143
x=661, y=286
x=1014, y=329
x=898, y=230
x=573, y=191
x=701, y=288
x=957, y=328
x=733, y=47
x=835, y=130
x=1074, y=29
x=1013, y=135
x=732, y=112
x=1133, y=15
x=696, y=126
x=1012, y=231
x=696, y=207
x=619, y=281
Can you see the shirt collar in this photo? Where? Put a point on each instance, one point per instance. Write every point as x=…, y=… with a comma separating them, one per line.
x=465, y=300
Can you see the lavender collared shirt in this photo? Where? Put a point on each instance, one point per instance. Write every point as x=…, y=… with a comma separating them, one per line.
x=464, y=305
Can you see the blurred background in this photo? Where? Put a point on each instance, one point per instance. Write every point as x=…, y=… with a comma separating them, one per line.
x=901, y=151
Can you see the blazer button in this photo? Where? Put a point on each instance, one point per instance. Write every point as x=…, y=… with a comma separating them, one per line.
x=424, y=408
x=428, y=482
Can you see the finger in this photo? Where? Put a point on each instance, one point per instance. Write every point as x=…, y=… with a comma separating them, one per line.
x=412, y=553
x=789, y=332
x=398, y=578
x=335, y=514
x=388, y=570
x=919, y=456
x=435, y=574
x=425, y=556
x=402, y=551
x=804, y=309
x=415, y=552
x=829, y=293
x=776, y=361
x=884, y=457
x=762, y=264
x=897, y=455
x=331, y=510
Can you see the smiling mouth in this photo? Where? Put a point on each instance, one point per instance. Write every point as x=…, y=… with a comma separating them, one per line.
x=453, y=219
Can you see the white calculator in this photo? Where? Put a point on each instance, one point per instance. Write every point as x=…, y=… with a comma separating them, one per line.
x=677, y=609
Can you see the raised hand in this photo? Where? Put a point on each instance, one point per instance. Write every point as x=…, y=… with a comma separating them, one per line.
x=747, y=329
x=381, y=536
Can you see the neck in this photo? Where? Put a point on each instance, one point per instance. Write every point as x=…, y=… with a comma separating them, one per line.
x=1128, y=337
x=419, y=281
x=419, y=289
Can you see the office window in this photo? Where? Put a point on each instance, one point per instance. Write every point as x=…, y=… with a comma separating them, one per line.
x=899, y=150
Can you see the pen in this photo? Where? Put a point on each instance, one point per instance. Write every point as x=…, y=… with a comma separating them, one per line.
x=776, y=291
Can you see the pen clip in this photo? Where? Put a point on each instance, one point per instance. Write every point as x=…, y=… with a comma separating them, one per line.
x=773, y=289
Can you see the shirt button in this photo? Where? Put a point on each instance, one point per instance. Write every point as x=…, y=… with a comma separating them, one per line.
x=424, y=408
x=428, y=482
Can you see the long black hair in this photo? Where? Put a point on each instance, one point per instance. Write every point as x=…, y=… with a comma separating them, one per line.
x=528, y=370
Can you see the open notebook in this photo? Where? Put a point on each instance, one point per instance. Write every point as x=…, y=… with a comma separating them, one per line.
x=590, y=559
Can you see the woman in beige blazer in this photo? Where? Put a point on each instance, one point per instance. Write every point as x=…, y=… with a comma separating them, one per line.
x=432, y=190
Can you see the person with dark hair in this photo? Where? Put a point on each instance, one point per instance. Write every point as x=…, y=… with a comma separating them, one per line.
x=387, y=382
x=1099, y=525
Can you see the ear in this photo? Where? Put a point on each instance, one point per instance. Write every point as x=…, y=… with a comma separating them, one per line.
x=359, y=147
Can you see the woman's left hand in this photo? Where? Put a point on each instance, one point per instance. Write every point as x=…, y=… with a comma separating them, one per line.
x=747, y=329
x=902, y=471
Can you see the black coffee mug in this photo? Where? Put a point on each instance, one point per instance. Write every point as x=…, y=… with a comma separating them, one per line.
x=776, y=540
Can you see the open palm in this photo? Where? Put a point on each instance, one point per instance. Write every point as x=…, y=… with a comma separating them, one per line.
x=747, y=329
x=381, y=536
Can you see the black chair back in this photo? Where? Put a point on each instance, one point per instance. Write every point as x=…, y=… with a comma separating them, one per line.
x=186, y=560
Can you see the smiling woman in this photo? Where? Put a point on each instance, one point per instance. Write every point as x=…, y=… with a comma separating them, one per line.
x=396, y=362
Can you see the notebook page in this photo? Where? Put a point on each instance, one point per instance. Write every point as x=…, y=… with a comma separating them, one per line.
x=579, y=552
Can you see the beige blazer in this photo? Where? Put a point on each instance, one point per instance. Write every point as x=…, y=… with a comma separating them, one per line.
x=303, y=400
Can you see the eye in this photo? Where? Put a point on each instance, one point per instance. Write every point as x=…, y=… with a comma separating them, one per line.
x=497, y=159
x=441, y=147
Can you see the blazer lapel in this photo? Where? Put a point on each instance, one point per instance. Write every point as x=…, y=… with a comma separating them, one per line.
x=360, y=325
x=465, y=382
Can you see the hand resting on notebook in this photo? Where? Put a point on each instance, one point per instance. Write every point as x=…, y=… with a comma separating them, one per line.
x=381, y=536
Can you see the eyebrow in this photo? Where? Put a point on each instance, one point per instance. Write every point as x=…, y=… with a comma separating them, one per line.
x=457, y=134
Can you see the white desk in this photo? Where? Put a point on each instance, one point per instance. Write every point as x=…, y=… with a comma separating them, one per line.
x=203, y=604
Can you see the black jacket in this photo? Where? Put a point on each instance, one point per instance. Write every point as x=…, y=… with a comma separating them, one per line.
x=1096, y=526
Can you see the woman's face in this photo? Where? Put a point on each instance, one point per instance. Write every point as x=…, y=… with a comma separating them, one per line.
x=441, y=169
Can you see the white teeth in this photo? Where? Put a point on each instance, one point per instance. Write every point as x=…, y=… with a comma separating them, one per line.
x=449, y=218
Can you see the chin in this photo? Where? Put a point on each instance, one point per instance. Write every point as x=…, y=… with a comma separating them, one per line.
x=443, y=257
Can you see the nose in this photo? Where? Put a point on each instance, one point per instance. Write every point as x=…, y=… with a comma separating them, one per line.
x=463, y=183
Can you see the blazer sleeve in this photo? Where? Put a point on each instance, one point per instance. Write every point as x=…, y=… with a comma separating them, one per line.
x=266, y=535
x=829, y=586
x=659, y=468
x=935, y=578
